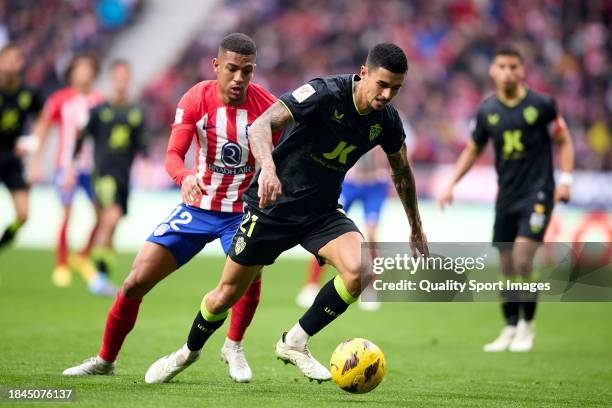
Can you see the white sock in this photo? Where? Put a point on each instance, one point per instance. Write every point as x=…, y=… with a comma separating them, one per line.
x=296, y=337
x=188, y=353
x=231, y=343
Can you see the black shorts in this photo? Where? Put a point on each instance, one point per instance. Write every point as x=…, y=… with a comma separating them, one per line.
x=110, y=190
x=11, y=172
x=530, y=221
x=260, y=239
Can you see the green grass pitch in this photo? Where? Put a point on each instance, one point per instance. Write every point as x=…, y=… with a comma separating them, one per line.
x=433, y=351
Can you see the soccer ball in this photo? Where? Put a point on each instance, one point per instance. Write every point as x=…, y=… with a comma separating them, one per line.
x=357, y=366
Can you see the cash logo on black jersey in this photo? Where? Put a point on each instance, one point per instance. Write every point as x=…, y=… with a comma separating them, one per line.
x=513, y=148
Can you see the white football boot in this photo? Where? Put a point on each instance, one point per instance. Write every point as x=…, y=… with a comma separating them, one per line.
x=100, y=285
x=92, y=366
x=232, y=353
x=166, y=368
x=302, y=359
x=307, y=295
x=503, y=341
x=525, y=335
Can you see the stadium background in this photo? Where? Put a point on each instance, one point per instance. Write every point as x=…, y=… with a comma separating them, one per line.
x=567, y=46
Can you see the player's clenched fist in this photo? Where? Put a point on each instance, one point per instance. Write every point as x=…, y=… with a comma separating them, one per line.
x=269, y=186
x=191, y=189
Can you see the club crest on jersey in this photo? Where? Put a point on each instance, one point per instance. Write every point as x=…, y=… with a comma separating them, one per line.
x=375, y=131
x=493, y=118
x=530, y=114
x=303, y=93
x=240, y=244
x=231, y=154
x=161, y=230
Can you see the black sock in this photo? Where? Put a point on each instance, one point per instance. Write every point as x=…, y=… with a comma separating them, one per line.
x=9, y=234
x=202, y=329
x=529, y=309
x=331, y=301
x=102, y=267
x=511, y=312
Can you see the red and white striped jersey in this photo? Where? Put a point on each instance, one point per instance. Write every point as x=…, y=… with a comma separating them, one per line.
x=223, y=160
x=69, y=108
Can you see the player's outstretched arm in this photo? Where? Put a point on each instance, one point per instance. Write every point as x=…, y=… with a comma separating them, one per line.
x=41, y=134
x=274, y=118
x=403, y=179
x=561, y=136
x=464, y=164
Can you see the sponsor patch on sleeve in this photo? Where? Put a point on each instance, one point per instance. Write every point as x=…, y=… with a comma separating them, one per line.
x=178, y=118
x=303, y=93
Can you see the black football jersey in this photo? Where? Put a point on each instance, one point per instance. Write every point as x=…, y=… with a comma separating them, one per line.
x=326, y=139
x=522, y=146
x=118, y=135
x=16, y=105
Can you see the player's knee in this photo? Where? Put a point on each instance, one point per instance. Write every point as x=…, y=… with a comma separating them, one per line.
x=135, y=285
x=522, y=266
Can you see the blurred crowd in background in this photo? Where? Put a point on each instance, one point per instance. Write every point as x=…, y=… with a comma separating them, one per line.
x=51, y=32
x=567, y=46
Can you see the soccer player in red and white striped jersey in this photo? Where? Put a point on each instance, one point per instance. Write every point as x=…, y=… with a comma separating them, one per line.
x=214, y=115
x=69, y=109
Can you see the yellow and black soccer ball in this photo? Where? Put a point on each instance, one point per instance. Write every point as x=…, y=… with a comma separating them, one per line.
x=357, y=366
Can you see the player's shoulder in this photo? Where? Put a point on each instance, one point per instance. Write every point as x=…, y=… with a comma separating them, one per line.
x=489, y=102
x=62, y=94
x=538, y=98
x=259, y=96
x=200, y=90
x=338, y=84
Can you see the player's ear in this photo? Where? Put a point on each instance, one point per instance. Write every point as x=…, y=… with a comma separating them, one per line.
x=363, y=71
x=492, y=70
x=215, y=64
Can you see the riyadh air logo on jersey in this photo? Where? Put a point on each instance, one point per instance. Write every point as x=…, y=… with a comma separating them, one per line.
x=530, y=114
x=240, y=244
x=493, y=119
x=231, y=154
x=375, y=131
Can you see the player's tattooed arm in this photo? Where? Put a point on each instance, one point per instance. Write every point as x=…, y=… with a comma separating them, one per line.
x=260, y=141
x=403, y=179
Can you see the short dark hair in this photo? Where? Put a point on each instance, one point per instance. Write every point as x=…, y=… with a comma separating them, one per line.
x=82, y=57
x=120, y=62
x=388, y=56
x=508, y=50
x=10, y=46
x=239, y=43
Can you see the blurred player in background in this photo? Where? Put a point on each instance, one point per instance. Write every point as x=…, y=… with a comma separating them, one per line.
x=366, y=182
x=69, y=109
x=215, y=115
x=311, y=160
x=117, y=129
x=18, y=104
x=522, y=125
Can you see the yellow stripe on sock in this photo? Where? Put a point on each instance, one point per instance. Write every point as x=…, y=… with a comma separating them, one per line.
x=209, y=317
x=342, y=291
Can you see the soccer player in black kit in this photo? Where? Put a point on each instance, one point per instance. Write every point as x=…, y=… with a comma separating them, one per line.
x=522, y=125
x=329, y=123
x=18, y=104
x=117, y=127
